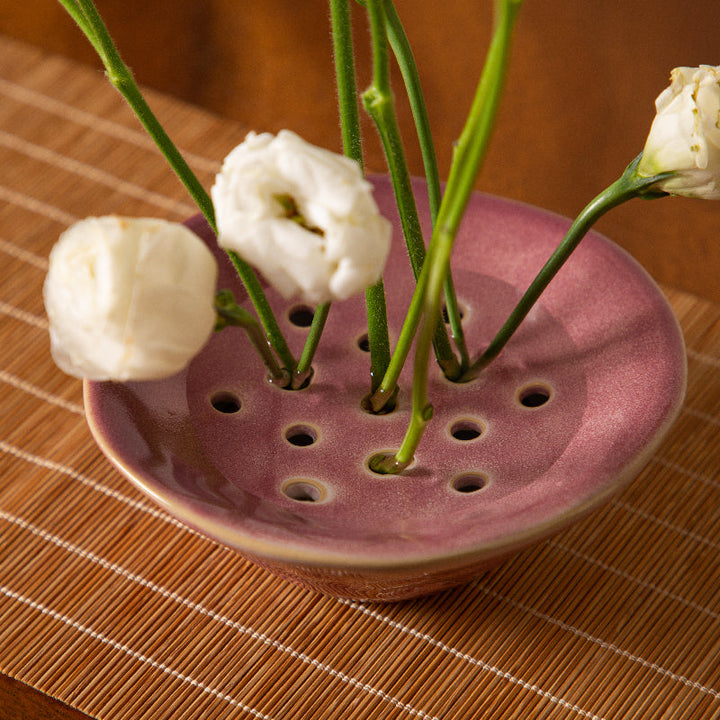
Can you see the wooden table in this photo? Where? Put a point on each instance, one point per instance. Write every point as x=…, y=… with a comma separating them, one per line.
x=115, y=609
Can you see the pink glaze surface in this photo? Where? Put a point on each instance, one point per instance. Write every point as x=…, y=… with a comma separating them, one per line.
x=603, y=341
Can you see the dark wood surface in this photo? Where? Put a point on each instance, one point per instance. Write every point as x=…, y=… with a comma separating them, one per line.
x=19, y=701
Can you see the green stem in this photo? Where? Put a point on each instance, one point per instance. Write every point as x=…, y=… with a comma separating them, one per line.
x=467, y=159
x=304, y=367
x=88, y=19
x=120, y=76
x=378, y=333
x=376, y=310
x=262, y=308
x=230, y=313
x=473, y=143
x=628, y=186
x=76, y=13
x=421, y=411
x=345, y=79
x=386, y=389
x=408, y=69
x=379, y=103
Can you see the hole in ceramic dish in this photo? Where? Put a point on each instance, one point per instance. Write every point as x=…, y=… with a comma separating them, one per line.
x=226, y=402
x=466, y=429
x=390, y=406
x=301, y=435
x=301, y=316
x=535, y=395
x=363, y=342
x=382, y=456
x=469, y=482
x=306, y=491
x=446, y=316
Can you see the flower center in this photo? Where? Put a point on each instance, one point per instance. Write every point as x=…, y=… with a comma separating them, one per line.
x=291, y=211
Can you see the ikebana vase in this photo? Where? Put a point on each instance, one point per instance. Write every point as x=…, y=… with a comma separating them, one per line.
x=564, y=418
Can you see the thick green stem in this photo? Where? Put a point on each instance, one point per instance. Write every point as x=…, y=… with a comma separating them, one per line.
x=345, y=79
x=628, y=186
x=379, y=103
x=378, y=334
x=408, y=69
x=76, y=13
x=467, y=160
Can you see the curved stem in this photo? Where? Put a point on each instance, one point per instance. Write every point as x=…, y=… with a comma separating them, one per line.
x=85, y=14
x=386, y=388
x=120, y=76
x=628, y=186
x=262, y=308
x=408, y=69
x=230, y=313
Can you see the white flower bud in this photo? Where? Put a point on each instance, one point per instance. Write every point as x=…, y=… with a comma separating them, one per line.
x=129, y=298
x=302, y=215
x=685, y=134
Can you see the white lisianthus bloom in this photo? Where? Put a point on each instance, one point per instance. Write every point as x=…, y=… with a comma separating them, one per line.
x=303, y=216
x=685, y=134
x=129, y=298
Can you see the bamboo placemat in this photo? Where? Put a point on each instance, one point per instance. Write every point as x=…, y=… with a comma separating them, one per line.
x=114, y=607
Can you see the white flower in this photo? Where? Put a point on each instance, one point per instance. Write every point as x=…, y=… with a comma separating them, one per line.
x=685, y=134
x=129, y=299
x=302, y=215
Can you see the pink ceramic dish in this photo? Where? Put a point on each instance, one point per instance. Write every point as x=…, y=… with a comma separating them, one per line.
x=565, y=417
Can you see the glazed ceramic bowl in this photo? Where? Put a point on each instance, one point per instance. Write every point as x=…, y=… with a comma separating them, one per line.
x=563, y=419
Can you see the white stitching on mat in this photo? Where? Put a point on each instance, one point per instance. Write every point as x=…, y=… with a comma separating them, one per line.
x=37, y=206
x=23, y=316
x=49, y=398
x=599, y=641
x=642, y=583
x=102, y=125
x=676, y=467
x=703, y=358
x=129, y=651
x=696, y=537
x=24, y=255
x=254, y=634
x=700, y=415
x=469, y=658
x=89, y=482
x=100, y=177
